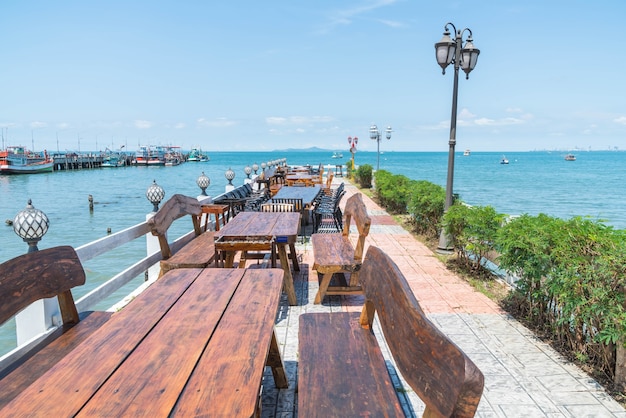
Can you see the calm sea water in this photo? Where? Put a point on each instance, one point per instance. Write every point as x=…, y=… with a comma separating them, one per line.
x=533, y=182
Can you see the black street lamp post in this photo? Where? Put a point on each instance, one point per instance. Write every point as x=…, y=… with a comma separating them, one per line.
x=450, y=51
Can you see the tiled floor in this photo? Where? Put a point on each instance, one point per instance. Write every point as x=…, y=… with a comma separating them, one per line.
x=524, y=377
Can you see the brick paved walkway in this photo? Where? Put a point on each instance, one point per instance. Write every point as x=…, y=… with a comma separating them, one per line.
x=524, y=377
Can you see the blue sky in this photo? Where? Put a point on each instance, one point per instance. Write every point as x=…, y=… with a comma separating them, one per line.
x=251, y=75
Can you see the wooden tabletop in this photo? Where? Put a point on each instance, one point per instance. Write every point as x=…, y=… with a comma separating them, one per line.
x=194, y=343
x=307, y=194
x=251, y=231
x=250, y=225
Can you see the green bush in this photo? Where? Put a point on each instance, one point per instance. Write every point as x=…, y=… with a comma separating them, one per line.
x=571, y=281
x=364, y=175
x=393, y=190
x=474, y=229
x=426, y=205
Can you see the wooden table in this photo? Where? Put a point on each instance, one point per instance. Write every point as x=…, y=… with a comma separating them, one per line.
x=216, y=211
x=307, y=194
x=250, y=231
x=194, y=343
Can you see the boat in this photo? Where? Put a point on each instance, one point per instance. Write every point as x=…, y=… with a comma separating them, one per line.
x=466, y=152
x=113, y=159
x=196, y=155
x=157, y=156
x=504, y=160
x=337, y=155
x=142, y=155
x=570, y=157
x=19, y=160
x=173, y=156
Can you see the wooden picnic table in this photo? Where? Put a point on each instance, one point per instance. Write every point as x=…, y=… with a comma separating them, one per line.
x=195, y=343
x=307, y=194
x=253, y=231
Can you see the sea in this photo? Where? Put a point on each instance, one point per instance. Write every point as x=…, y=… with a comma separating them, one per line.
x=533, y=182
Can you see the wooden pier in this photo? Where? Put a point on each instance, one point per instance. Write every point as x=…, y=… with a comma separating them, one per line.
x=74, y=161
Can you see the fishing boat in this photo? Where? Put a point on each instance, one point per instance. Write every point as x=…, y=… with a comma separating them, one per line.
x=142, y=155
x=113, y=159
x=504, y=160
x=466, y=152
x=196, y=155
x=173, y=156
x=337, y=155
x=157, y=156
x=18, y=160
x=570, y=157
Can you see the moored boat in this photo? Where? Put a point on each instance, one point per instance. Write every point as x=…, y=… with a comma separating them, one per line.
x=570, y=157
x=196, y=155
x=504, y=160
x=18, y=160
x=113, y=159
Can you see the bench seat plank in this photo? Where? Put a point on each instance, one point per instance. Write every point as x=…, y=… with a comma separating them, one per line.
x=198, y=253
x=323, y=390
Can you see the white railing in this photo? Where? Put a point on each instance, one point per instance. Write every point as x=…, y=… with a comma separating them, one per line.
x=92, y=250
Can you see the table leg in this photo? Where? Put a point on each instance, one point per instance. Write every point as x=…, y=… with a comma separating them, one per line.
x=229, y=259
x=294, y=257
x=288, y=279
x=275, y=361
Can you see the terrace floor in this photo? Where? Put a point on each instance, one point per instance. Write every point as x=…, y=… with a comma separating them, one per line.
x=524, y=377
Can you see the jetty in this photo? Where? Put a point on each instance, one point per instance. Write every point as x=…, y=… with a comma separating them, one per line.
x=523, y=376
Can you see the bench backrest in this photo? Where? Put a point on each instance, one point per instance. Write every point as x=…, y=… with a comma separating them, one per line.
x=38, y=275
x=355, y=209
x=446, y=380
x=174, y=208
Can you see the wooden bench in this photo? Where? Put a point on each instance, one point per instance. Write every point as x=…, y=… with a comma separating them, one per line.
x=342, y=371
x=31, y=277
x=199, y=252
x=334, y=255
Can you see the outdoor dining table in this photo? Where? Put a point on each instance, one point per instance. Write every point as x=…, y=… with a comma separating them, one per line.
x=307, y=194
x=195, y=343
x=252, y=231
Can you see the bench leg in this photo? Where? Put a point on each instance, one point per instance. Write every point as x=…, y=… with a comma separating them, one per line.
x=326, y=278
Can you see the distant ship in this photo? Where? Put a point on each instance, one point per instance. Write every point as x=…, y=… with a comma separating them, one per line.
x=504, y=160
x=337, y=155
x=466, y=152
x=570, y=157
x=18, y=160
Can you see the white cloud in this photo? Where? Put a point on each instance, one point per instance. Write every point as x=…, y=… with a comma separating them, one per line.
x=216, y=123
x=621, y=120
x=179, y=125
x=35, y=125
x=298, y=120
x=143, y=124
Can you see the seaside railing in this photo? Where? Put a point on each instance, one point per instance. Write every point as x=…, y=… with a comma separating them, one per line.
x=148, y=265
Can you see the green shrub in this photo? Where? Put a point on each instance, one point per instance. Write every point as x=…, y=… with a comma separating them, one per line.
x=364, y=175
x=426, y=205
x=474, y=229
x=393, y=191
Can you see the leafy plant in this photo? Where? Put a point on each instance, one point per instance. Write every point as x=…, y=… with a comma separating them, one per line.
x=364, y=175
x=426, y=205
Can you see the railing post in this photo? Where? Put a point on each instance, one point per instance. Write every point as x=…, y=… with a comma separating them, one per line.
x=152, y=246
x=36, y=319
